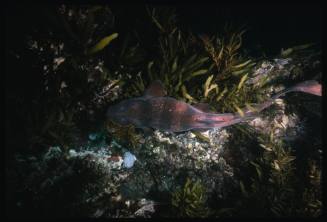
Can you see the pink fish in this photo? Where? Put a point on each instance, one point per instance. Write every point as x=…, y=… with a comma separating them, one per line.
x=157, y=111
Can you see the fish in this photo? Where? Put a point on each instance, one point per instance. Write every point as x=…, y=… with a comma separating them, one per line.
x=156, y=110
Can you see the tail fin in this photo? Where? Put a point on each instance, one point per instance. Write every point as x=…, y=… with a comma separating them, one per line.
x=227, y=119
x=310, y=86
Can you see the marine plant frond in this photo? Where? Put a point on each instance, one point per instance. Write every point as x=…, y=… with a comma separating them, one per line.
x=273, y=184
x=178, y=63
x=189, y=201
x=224, y=51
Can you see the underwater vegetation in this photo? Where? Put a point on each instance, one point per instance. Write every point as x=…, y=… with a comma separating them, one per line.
x=68, y=159
x=190, y=200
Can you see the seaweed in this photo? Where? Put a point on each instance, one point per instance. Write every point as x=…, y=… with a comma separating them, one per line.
x=273, y=187
x=189, y=201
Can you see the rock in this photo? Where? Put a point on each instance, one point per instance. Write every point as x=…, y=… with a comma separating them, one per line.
x=147, y=208
x=129, y=160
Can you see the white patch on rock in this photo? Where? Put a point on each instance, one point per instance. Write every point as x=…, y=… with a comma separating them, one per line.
x=129, y=160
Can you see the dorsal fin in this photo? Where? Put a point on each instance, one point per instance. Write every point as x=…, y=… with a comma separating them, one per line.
x=204, y=107
x=155, y=89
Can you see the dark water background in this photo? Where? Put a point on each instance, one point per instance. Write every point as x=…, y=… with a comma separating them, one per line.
x=269, y=26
